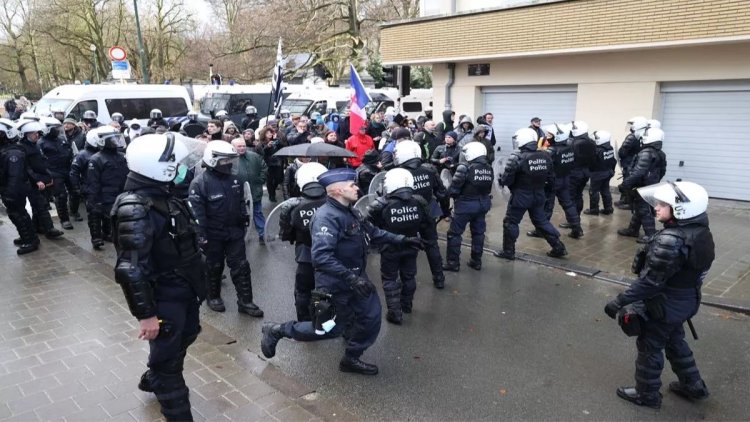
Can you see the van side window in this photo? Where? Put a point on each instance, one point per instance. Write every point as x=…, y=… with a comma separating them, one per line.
x=140, y=108
x=78, y=109
x=170, y=107
x=411, y=107
x=320, y=107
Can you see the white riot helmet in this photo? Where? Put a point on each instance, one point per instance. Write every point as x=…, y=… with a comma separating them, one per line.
x=89, y=115
x=315, y=115
x=222, y=115
x=653, y=123
x=28, y=115
x=105, y=137
x=155, y=114
x=405, y=151
x=637, y=126
x=284, y=113
x=192, y=115
x=602, y=137
x=687, y=199
x=523, y=137
x=155, y=156
x=118, y=117
x=579, y=127
x=57, y=111
x=474, y=150
x=652, y=135
x=30, y=126
x=398, y=178
x=563, y=132
x=251, y=110
x=220, y=156
x=308, y=173
x=7, y=127
x=316, y=140
x=49, y=123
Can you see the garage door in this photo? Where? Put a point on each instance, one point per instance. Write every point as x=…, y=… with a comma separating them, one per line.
x=707, y=133
x=514, y=107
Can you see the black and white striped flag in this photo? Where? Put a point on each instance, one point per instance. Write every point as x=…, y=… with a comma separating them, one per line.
x=278, y=83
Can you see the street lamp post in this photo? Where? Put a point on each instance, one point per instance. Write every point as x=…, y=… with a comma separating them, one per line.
x=141, y=50
x=92, y=47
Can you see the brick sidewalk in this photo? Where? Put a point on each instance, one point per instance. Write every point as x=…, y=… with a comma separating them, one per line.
x=69, y=351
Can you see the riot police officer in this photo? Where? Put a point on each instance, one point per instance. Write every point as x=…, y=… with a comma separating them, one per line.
x=601, y=173
x=530, y=177
x=222, y=116
x=628, y=151
x=59, y=154
x=80, y=167
x=31, y=131
x=648, y=168
x=217, y=200
x=192, y=127
x=563, y=160
x=584, y=150
x=407, y=155
x=470, y=190
x=89, y=120
x=250, y=121
x=368, y=169
x=105, y=179
x=159, y=266
x=120, y=120
x=399, y=211
x=14, y=187
x=294, y=223
x=339, y=256
x=156, y=119
x=671, y=269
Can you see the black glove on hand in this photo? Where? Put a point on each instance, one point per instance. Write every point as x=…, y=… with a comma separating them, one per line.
x=612, y=308
x=362, y=287
x=413, y=242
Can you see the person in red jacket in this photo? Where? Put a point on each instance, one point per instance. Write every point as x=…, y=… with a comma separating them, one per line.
x=359, y=144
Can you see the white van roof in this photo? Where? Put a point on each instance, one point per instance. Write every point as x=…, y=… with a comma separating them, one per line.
x=122, y=91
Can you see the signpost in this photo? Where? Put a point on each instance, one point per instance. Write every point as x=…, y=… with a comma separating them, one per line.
x=120, y=64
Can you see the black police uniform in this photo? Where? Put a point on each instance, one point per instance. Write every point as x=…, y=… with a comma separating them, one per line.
x=36, y=166
x=14, y=189
x=530, y=177
x=77, y=176
x=192, y=128
x=289, y=186
x=294, y=222
x=154, y=123
x=427, y=184
x=648, y=168
x=217, y=200
x=584, y=150
x=470, y=188
x=367, y=171
x=249, y=122
x=105, y=179
x=671, y=269
x=601, y=173
x=160, y=269
x=406, y=213
x=627, y=153
x=563, y=161
x=59, y=154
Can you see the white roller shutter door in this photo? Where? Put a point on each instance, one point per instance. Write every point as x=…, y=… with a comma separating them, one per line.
x=707, y=135
x=513, y=108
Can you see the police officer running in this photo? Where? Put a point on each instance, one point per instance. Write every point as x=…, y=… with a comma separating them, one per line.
x=530, y=177
x=601, y=173
x=399, y=211
x=14, y=187
x=294, y=223
x=217, y=200
x=671, y=269
x=470, y=188
x=159, y=266
x=339, y=256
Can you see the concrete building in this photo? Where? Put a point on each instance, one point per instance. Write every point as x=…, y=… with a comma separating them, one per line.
x=684, y=62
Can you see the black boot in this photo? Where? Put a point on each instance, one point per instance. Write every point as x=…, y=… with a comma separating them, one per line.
x=17, y=241
x=394, y=317
x=558, y=248
x=509, y=255
x=243, y=284
x=628, y=232
x=95, y=228
x=213, y=288
x=439, y=281
x=608, y=211
x=648, y=400
x=695, y=391
x=173, y=396
x=74, y=203
x=577, y=232
x=272, y=333
x=509, y=248
x=145, y=384
x=53, y=234
x=565, y=225
x=475, y=264
x=591, y=211
x=29, y=241
x=451, y=266
x=349, y=364
x=393, y=302
x=533, y=233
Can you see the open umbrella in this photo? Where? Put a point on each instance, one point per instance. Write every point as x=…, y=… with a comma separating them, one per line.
x=320, y=149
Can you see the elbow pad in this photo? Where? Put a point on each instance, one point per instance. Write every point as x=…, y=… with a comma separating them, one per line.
x=137, y=289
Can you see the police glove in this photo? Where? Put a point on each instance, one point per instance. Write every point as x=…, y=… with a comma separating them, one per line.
x=362, y=287
x=413, y=242
x=612, y=308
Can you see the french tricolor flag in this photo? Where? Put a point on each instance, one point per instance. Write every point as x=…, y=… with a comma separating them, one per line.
x=359, y=99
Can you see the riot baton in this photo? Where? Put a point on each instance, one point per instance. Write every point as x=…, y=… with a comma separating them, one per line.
x=692, y=329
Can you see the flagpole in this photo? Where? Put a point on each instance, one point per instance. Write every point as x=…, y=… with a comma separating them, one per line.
x=275, y=84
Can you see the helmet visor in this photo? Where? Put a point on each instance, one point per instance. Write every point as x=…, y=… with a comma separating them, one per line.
x=113, y=140
x=194, y=147
x=663, y=193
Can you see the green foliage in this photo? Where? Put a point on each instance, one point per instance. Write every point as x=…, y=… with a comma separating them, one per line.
x=375, y=69
x=421, y=77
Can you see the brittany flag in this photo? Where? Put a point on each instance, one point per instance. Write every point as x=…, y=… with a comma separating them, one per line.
x=359, y=99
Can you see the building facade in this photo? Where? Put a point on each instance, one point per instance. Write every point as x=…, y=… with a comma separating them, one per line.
x=684, y=62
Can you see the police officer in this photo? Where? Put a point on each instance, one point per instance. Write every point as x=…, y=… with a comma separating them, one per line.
x=192, y=127
x=80, y=167
x=289, y=188
x=628, y=151
x=156, y=119
x=120, y=120
x=530, y=177
x=159, y=266
x=584, y=150
x=387, y=155
x=470, y=188
x=399, y=211
x=14, y=187
x=294, y=223
x=562, y=162
x=217, y=200
x=89, y=120
x=370, y=167
x=31, y=131
x=648, y=168
x=59, y=154
x=601, y=173
x=58, y=112
x=250, y=121
x=105, y=179
x=222, y=116
x=339, y=256
x=671, y=269
x=407, y=155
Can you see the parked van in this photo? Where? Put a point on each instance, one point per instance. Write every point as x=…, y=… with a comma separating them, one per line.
x=416, y=103
x=234, y=98
x=133, y=101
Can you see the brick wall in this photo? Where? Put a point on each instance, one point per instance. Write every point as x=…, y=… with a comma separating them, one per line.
x=566, y=25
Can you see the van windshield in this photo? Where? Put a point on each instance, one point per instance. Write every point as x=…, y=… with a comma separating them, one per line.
x=296, y=107
x=44, y=105
x=214, y=102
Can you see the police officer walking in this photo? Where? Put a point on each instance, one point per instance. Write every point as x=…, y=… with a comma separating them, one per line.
x=14, y=187
x=399, y=211
x=584, y=150
x=427, y=184
x=601, y=173
x=159, y=267
x=339, y=256
x=59, y=154
x=217, y=200
x=294, y=223
x=648, y=168
x=470, y=188
x=671, y=269
x=627, y=152
x=105, y=179
x=530, y=176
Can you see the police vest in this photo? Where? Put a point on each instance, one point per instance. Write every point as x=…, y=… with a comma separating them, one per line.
x=563, y=159
x=300, y=219
x=423, y=179
x=534, y=170
x=699, y=244
x=585, y=151
x=402, y=216
x=479, y=180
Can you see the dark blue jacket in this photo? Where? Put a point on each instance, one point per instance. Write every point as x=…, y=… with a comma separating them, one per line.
x=36, y=164
x=105, y=178
x=14, y=177
x=80, y=167
x=217, y=201
x=58, y=152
